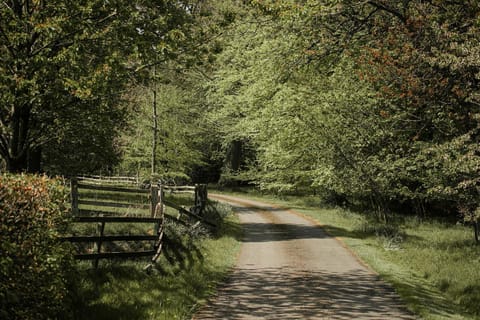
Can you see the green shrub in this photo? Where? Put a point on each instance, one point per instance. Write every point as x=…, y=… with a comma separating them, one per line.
x=33, y=262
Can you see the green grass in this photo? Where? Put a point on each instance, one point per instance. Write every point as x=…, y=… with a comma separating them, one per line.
x=435, y=267
x=186, y=274
x=125, y=291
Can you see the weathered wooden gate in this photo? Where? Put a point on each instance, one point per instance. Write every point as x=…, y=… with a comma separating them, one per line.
x=85, y=210
x=119, y=215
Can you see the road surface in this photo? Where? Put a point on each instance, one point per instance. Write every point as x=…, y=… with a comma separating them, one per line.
x=289, y=268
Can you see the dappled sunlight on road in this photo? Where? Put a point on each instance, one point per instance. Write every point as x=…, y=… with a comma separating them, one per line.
x=290, y=268
x=285, y=293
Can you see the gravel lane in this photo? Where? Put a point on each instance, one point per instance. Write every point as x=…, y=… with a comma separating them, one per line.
x=289, y=268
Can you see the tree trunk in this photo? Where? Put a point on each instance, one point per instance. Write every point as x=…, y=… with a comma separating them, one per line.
x=235, y=155
x=17, y=160
x=34, y=160
x=155, y=124
x=17, y=165
x=29, y=162
x=476, y=231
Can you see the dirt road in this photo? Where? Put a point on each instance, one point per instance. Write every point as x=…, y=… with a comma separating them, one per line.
x=289, y=268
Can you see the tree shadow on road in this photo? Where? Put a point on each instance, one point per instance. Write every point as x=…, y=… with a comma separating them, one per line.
x=290, y=294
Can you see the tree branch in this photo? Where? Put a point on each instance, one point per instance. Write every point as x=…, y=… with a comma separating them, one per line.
x=385, y=8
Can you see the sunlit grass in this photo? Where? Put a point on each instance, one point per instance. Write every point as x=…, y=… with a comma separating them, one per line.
x=123, y=290
x=186, y=274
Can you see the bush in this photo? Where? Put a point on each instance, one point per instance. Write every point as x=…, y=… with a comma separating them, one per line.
x=33, y=262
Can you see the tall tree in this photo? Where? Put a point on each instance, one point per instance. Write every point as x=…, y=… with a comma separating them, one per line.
x=421, y=59
x=64, y=59
x=187, y=142
x=179, y=130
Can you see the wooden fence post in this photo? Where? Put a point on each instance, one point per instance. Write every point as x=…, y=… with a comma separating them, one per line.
x=153, y=200
x=201, y=197
x=74, y=195
x=197, y=196
x=205, y=195
x=159, y=209
x=160, y=200
x=98, y=245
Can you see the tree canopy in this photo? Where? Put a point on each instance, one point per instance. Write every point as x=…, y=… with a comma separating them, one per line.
x=64, y=65
x=361, y=101
x=373, y=100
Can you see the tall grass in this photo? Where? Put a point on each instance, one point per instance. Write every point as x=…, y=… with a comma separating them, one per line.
x=434, y=266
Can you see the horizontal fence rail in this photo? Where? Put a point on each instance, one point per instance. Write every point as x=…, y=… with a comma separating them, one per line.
x=110, y=238
x=112, y=188
x=109, y=180
x=189, y=213
x=116, y=219
x=113, y=204
x=95, y=213
x=179, y=189
x=101, y=217
x=111, y=255
x=156, y=206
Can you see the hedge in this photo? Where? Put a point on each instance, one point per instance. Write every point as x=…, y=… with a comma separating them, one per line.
x=34, y=264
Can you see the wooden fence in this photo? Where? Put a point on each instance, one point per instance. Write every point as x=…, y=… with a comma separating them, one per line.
x=121, y=215
x=156, y=208
x=200, y=200
x=109, y=180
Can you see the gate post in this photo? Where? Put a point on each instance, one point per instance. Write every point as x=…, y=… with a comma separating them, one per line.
x=201, y=197
x=160, y=200
x=74, y=195
x=197, y=196
x=153, y=200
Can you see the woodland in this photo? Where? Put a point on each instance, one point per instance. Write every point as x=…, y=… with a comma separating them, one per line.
x=363, y=103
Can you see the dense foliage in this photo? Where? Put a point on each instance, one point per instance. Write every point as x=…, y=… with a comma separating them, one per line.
x=34, y=265
x=362, y=102
x=373, y=101
x=167, y=133
x=178, y=134
x=63, y=68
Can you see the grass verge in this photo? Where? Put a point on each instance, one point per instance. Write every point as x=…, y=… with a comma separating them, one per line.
x=173, y=289
x=434, y=267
